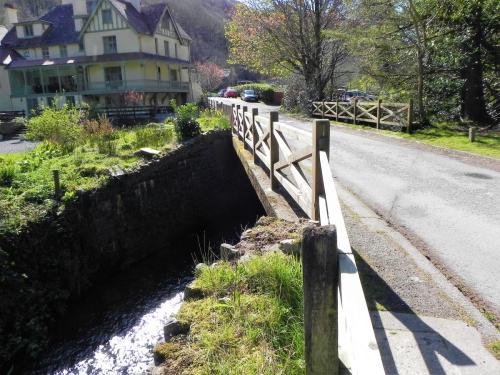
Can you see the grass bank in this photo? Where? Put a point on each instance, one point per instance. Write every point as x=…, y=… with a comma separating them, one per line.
x=85, y=152
x=249, y=322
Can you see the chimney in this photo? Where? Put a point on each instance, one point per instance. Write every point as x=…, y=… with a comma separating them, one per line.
x=136, y=3
x=79, y=6
x=79, y=12
x=10, y=15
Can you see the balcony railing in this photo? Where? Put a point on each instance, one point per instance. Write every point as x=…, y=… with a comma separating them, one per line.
x=101, y=87
x=140, y=85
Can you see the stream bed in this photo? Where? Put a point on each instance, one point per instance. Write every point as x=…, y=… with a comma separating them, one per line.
x=113, y=328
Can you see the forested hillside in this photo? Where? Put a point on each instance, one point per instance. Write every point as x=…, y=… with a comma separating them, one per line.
x=202, y=19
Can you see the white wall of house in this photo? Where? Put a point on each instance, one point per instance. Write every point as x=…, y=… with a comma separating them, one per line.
x=6, y=103
x=126, y=41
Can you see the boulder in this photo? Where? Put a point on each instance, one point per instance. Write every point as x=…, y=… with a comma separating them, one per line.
x=147, y=152
x=290, y=246
x=199, y=268
x=174, y=328
x=228, y=252
x=191, y=292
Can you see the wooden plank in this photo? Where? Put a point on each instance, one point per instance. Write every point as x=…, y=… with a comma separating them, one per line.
x=296, y=157
x=364, y=351
x=303, y=202
x=323, y=211
x=263, y=157
x=294, y=132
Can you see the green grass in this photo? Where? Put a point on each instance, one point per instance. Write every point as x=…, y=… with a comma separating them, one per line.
x=28, y=196
x=447, y=135
x=495, y=348
x=250, y=322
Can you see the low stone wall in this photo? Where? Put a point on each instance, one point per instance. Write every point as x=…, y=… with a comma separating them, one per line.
x=198, y=186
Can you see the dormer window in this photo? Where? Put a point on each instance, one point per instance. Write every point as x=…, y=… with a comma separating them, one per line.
x=45, y=53
x=28, y=31
x=107, y=17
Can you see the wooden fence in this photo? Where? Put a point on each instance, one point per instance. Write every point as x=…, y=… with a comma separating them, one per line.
x=392, y=115
x=299, y=162
x=7, y=116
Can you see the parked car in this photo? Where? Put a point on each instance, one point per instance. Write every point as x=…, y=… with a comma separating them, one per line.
x=221, y=93
x=360, y=95
x=230, y=93
x=249, y=96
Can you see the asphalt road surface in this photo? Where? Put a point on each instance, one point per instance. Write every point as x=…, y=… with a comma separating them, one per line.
x=14, y=144
x=448, y=200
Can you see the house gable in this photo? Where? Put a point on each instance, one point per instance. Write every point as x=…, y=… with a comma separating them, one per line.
x=97, y=22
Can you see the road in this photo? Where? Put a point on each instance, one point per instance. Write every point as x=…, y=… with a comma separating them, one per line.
x=448, y=202
x=15, y=144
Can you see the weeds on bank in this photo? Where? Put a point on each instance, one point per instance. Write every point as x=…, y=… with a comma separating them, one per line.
x=250, y=322
x=82, y=150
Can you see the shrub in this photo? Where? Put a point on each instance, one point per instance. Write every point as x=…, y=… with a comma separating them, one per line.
x=8, y=172
x=186, y=124
x=155, y=135
x=211, y=119
x=100, y=132
x=58, y=126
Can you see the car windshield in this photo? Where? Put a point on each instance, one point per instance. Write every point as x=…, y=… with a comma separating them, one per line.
x=249, y=92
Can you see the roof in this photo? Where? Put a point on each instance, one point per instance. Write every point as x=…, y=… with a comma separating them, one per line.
x=7, y=55
x=61, y=31
x=115, y=57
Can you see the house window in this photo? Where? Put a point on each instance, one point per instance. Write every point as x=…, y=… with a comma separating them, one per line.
x=156, y=45
x=63, y=51
x=167, y=48
x=109, y=44
x=173, y=75
x=113, y=76
x=176, y=55
x=45, y=53
x=81, y=46
x=28, y=30
x=26, y=54
x=158, y=74
x=107, y=17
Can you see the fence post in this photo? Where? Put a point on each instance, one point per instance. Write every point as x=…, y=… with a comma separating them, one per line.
x=255, y=113
x=323, y=109
x=337, y=109
x=274, y=151
x=410, y=116
x=233, y=122
x=379, y=105
x=244, y=125
x=320, y=142
x=320, y=275
x=238, y=106
x=472, y=134
x=355, y=110
x=57, y=184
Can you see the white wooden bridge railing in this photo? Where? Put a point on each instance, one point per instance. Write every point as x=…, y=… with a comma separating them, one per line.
x=298, y=161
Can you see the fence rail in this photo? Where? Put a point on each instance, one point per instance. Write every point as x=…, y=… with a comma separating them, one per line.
x=399, y=115
x=299, y=162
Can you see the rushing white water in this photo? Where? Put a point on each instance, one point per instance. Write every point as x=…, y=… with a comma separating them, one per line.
x=131, y=353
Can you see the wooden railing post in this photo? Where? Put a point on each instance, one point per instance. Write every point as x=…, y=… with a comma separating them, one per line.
x=233, y=120
x=355, y=111
x=337, y=109
x=323, y=109
x=238, y=106
x=244, y=124
x=255, y=113
x=379, y=112
x=273, y=149
x=410, y=116
x=320, y=275
x=320, y=142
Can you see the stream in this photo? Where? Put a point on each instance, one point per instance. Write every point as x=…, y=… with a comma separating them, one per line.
x=113, y=328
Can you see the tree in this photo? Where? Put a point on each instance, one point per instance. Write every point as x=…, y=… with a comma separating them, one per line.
x=210, y=75
x=288, y=36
